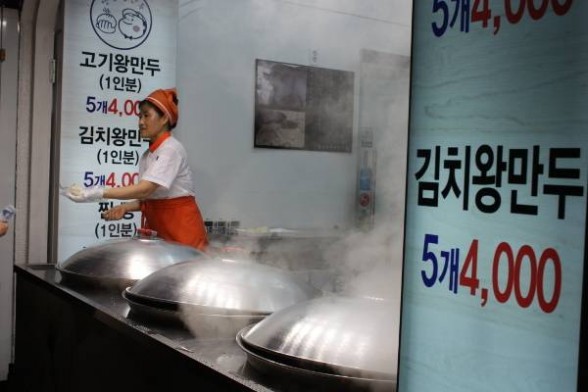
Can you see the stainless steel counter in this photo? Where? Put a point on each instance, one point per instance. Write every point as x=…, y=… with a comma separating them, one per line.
x=72, y=337
x=216, y=362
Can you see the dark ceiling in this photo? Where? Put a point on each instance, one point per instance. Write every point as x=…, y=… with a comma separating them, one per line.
x=17, y=4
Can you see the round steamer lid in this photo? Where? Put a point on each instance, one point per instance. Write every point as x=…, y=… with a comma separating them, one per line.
x=348, y=336
x=222, y=286
x=125, y=260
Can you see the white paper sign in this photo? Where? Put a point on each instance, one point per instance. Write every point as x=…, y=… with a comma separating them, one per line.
x=115, y=54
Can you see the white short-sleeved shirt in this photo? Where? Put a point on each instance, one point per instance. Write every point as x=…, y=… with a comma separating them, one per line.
x=168, y=167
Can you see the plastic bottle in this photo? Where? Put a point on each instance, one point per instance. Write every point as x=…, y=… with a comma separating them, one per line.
x=365, y=175
x=8, y=213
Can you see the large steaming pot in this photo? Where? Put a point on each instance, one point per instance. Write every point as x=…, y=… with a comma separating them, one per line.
x=341, y=342
x=216, y=296
x=121, y=263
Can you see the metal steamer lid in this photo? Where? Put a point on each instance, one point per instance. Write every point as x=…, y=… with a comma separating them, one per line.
x=122, y=262
x=221, y=287
x=337, y=337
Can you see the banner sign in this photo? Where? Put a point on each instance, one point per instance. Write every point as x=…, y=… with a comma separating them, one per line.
x=496, y=196
x=115, y=53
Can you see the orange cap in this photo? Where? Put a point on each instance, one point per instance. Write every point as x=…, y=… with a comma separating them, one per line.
x=166, y=101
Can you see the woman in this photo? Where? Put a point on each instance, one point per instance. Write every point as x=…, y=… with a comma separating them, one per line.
x=164, y=193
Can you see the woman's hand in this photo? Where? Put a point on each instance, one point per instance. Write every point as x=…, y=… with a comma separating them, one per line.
x=84, y=195
x=3, y=228
x=118, y=212
x=115, y=213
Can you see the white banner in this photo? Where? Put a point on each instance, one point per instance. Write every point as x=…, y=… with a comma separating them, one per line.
x=115, y=54
x=496, y=197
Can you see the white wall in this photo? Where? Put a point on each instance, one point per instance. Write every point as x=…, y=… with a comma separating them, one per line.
x=25, y=123
x=218, y=42
x=8, y=89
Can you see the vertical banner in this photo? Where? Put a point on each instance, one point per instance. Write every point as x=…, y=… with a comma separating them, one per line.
x=496, y=196
x=115, y=53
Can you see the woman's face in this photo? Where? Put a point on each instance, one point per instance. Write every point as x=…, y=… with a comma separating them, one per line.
x=151, y=123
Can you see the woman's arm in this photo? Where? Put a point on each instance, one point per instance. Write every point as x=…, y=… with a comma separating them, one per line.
x=142, y=190
x=118, y=212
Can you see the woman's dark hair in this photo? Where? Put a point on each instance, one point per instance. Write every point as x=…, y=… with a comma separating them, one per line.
x=157, y=109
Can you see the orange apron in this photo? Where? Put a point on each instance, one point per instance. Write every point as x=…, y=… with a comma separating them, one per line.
x=176, y=219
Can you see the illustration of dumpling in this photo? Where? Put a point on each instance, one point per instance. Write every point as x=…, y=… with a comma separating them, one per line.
x=106, y=23
x=133, y=24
